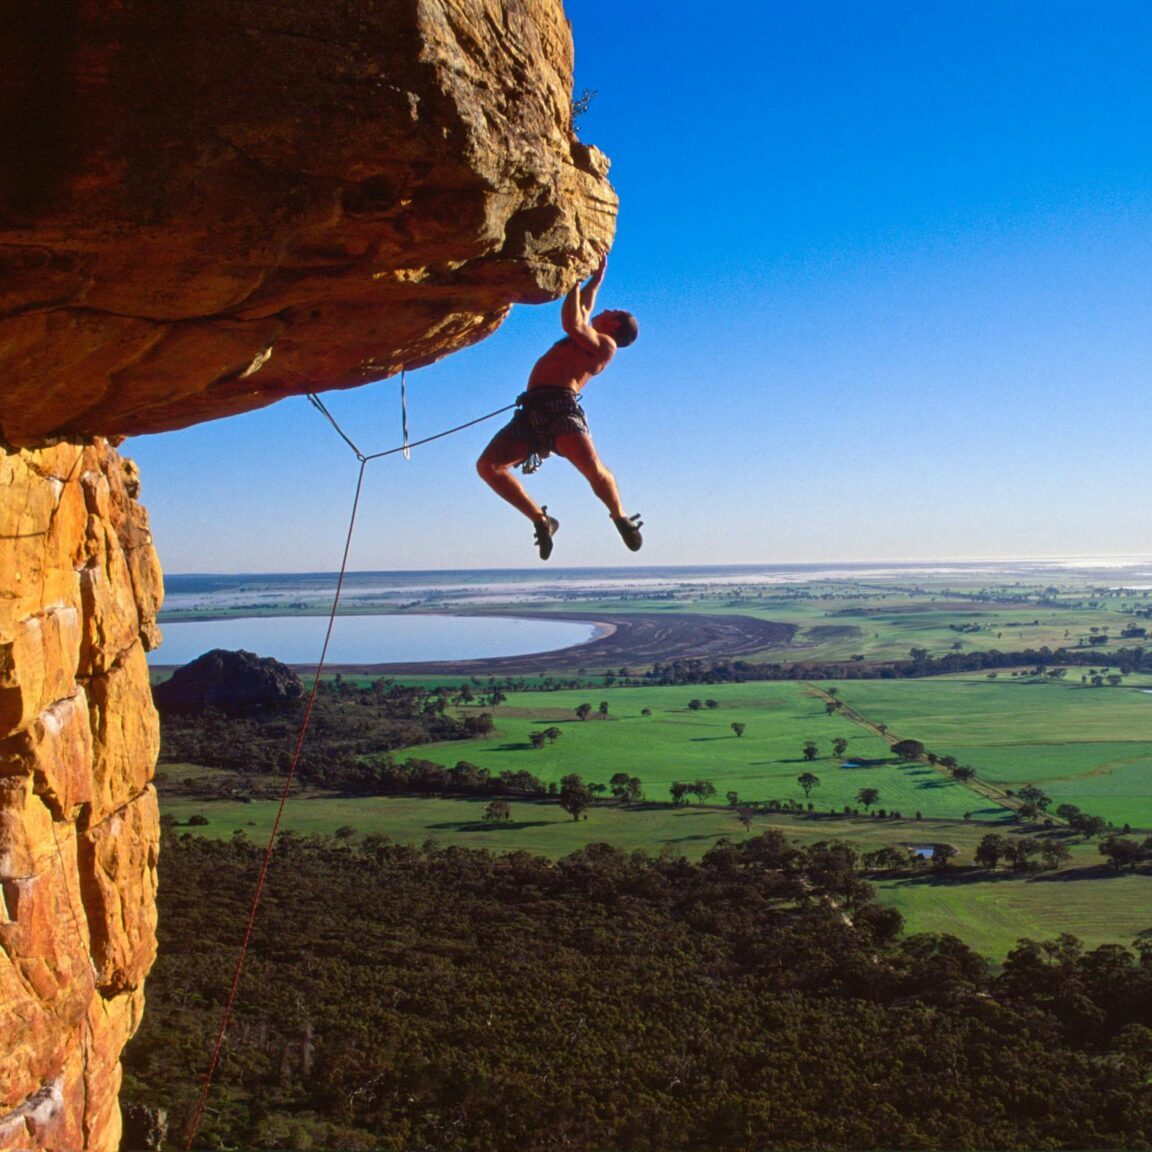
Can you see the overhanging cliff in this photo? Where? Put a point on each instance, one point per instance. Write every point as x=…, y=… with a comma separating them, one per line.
x=205, y=207
x=217, y=204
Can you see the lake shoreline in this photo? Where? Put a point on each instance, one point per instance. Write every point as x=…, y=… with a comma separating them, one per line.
x=631, y=638
x=636, y=639
x=235, y=632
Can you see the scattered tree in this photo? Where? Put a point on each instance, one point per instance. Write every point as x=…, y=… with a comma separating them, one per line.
x=618, y=785
x=737, y=727
x=1122, y=852
x=884, y=859
x=1030, y=794
x=496, y=811
x=575, y=797
x=808, y=781
x=702, y=790
x=908, y=750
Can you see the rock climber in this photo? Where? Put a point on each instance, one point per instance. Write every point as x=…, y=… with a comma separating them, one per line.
x=549, y=418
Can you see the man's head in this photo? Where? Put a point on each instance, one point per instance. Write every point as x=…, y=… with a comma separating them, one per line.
x=621, y=326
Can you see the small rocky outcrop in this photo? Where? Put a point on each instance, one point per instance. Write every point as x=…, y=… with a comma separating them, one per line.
x=234, y=682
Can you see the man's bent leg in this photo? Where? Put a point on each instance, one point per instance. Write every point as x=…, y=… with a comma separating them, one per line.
x=581, y=452
x=495, y=469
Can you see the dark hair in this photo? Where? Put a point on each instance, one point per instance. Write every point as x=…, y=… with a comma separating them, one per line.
x=627, y=329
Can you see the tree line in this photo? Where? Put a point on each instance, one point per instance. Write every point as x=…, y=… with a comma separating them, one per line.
x=348, y=724
x=920, y=663
x=398, y=997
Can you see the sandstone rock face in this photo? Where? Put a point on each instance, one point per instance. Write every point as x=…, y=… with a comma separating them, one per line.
x=206, y=207
x=78, y=817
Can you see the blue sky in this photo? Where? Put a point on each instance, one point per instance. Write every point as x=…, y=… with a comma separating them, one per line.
x=892, y=262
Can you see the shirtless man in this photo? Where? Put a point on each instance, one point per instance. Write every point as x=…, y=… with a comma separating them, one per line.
x=549, y=418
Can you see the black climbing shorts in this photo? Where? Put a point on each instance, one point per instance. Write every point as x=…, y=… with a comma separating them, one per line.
x=541, y=415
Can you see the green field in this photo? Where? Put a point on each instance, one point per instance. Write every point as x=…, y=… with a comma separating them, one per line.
x=1091, y=747
x=991, y=914
x=842, y=621
x=1085, y=746
x=677, y=743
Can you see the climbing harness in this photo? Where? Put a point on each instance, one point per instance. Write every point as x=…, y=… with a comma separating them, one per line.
x=542, y=415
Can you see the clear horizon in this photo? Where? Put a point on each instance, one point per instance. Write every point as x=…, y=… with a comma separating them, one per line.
x=544, y=572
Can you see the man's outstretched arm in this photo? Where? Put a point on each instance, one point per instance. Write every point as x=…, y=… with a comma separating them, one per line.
x=577, y=309
x=588, y=292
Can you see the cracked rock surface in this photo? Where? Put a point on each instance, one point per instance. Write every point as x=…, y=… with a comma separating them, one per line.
x=79, y=823
x=216, y=205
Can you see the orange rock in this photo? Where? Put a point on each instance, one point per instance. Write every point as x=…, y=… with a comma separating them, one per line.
x=252, y=207
x=78, y=743
x=118, y=881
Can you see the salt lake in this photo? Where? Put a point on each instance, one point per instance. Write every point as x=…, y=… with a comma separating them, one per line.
x=370, y=639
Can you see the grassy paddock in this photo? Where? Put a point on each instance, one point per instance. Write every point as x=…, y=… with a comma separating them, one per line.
x=885, y=625
x=1086, y=746
x=678, y=743
x=991, y=914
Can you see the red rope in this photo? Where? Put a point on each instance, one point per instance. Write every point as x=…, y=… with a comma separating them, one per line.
x=276, y=824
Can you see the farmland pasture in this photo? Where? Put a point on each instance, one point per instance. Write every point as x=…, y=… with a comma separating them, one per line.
x=1091, y=747
x=678, y=743
x=1087, y=746
x=884, y=625
x=991, y=913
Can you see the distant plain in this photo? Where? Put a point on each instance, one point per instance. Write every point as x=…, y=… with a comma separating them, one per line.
x=1082, y=741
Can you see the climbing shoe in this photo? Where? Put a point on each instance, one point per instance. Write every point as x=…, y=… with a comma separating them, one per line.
x=545, y=530
x=629, y=529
